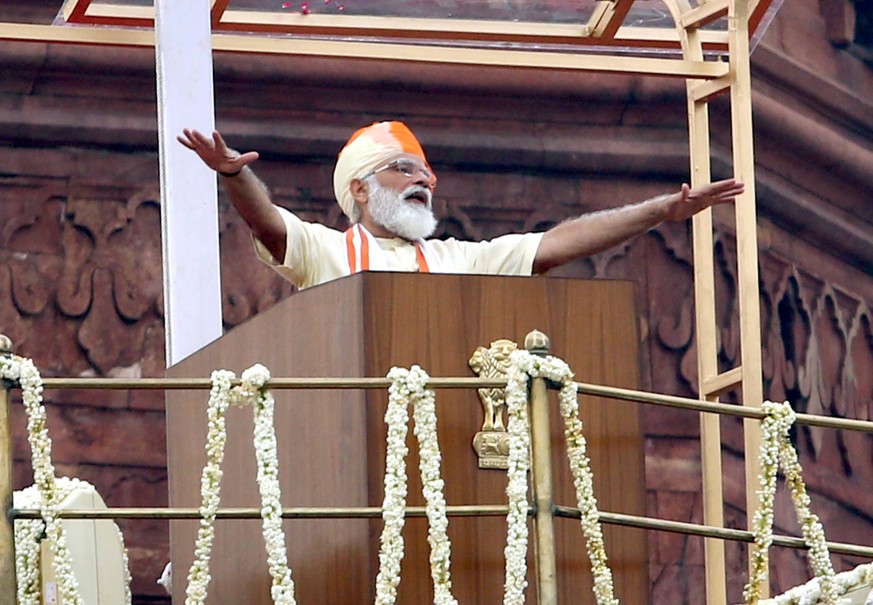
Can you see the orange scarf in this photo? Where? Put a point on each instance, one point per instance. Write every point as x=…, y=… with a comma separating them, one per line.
x=365, y=254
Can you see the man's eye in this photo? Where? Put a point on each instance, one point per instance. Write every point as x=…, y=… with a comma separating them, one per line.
x=406, y=168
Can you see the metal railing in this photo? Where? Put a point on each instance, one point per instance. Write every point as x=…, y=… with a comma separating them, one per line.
x=543, y=509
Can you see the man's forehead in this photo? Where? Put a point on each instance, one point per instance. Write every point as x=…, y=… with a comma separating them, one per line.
x=405, y=156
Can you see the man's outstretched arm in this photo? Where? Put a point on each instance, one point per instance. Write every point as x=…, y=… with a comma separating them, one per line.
x=246, y=191
x=599, y=231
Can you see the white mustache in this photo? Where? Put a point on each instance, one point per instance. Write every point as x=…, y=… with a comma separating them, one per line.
x=410, y=191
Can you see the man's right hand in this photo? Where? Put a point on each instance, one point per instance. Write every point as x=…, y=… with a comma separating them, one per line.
x=246, y=192
x=214, y=151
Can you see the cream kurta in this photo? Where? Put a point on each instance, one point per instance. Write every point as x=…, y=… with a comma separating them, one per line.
x=315, y=254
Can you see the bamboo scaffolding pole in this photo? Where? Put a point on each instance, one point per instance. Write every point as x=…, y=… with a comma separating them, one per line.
x=7, y=534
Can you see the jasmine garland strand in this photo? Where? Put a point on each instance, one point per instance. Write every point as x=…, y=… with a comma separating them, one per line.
x=861, y=577
x=522, y=365
x=433, y=486
x=518, y=427
x=22, y=371
x=394, y=498
x=583, y=480
x=409, y=387
x=210, y=483
x=222, y=396
x=266, y=452
x=776, y=449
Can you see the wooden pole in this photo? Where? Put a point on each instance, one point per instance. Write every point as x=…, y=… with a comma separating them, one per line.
x=7, y=534
x=747, y=245
x=406, y=53
x=707, y=337
x=541, y=470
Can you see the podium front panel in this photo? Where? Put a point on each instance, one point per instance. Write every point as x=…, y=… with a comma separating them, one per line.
x=332, y=444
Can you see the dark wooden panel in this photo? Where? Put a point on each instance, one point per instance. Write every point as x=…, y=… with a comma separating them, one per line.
x=321, y=449
x=332, y=449
x=437, y=322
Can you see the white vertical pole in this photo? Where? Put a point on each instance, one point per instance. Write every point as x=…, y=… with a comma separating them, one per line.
x=189, y=212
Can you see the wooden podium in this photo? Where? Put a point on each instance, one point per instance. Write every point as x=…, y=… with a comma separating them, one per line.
x=332, y=443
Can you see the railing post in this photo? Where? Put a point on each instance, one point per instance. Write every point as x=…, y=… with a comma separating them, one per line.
x=7, y=535
x=541, y=470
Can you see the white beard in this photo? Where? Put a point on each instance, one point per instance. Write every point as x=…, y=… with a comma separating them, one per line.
x=391, y=210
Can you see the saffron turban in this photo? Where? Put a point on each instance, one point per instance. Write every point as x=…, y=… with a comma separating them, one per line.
x=366, y=150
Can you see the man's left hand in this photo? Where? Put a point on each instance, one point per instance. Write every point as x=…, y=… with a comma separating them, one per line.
x=688, y=202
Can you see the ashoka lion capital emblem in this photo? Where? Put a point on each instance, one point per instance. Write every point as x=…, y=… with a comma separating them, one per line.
x=492, y=442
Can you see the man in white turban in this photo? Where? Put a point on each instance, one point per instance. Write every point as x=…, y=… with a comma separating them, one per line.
x=384, y=184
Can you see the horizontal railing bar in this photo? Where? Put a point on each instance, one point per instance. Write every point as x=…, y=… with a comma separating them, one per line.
x=718, y=408
x=708, y=531
x=349, y=512
x=457, y=383
x=205, y=384
x=608, y=518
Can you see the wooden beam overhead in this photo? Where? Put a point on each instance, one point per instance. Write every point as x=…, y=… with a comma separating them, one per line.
x=608, y=17
x=705, y=91
x=703, y=70
x=612, y=25
x=218, y=9
x=74, y=10
x=705, y=13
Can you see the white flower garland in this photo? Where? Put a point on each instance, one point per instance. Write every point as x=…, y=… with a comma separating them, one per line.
x=776, y=450
x=523, y=365
x=125, y=568
x=409, y=387
x=27, y=537
x=811, y=594
x=518, y=428
x=222, y=396
x=266, y=451
x=23, y=372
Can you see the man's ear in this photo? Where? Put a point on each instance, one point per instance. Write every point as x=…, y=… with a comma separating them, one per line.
x=359, y=190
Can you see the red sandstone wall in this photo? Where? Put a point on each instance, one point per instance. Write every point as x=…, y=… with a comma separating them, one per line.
x=80, y=276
